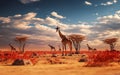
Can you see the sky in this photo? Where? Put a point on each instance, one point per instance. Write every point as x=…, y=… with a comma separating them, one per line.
x=37, y=19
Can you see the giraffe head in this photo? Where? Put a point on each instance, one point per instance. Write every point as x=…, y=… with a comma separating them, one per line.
x=9, y=44
x=49, y=45
x=57, y=28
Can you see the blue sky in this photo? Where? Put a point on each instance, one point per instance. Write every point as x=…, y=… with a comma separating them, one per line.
x=96, y=19
x=73, y=10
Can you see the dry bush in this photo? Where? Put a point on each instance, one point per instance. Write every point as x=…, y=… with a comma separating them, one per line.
x=111, y=42
x=102, y=58
x=83, y=58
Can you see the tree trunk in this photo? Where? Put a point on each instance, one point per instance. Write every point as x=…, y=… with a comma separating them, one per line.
x=75, y=46
x=20, y=46
x=111, y=47
x=79, y=46
x=23, y=48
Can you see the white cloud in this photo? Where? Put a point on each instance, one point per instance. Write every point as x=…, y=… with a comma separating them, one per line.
x=18, y=21
x=28, y=1
x=96, y=14
x=118, y=12
x=18, y=15
x=51, y=21
x=5, y=19
x=110, y=18
x=37, y=21
x=21, y=25
x=88, y=3
x=109, y=3
x=107, y=26
x=109, y=34
x=29, y=16
x=55, y=14
x=115, y=1
x=95, y=42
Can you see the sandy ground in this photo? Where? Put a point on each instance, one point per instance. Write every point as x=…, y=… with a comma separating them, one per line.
x=71, y=68
x=58, y=69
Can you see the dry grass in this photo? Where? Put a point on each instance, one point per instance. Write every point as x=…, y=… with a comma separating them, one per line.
x=60, y=65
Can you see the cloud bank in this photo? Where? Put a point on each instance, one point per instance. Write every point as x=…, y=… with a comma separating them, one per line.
x=109, y=3
x=28, y=1
x=56, y=15
x=41, y=31
x=88, y=3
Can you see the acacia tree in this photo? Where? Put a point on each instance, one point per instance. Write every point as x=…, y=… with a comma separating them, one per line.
x=111, y=42
x=77, y=39
x=21, y=40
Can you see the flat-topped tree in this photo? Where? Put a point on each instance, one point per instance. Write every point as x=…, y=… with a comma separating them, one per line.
x=21, y=40
x=76, y=39
x=111, y=42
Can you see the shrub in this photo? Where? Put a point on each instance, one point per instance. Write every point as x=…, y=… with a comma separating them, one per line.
x=102, y=58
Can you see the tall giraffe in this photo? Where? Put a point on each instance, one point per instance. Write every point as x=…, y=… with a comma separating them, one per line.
x=65, y=41
x=12, y=48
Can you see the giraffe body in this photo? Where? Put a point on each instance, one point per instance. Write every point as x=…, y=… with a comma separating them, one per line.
x=52, y=48
x=90, y=48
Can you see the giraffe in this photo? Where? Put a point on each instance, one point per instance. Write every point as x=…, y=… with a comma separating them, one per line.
x=12, y=48
x=65, y=41
x=89, y=48
x=76, y=40
x=52, y=48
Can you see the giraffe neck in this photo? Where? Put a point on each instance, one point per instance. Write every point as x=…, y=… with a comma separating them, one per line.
x=88, y=46
x=50, y=46
x=61, y=35
x=10, y=45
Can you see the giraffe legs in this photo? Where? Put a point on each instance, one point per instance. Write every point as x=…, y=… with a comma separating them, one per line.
x=64, y=44
x=79, y=47
x=65, y=51
x=62, y=50
x=70, y=46
x=53, y=52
